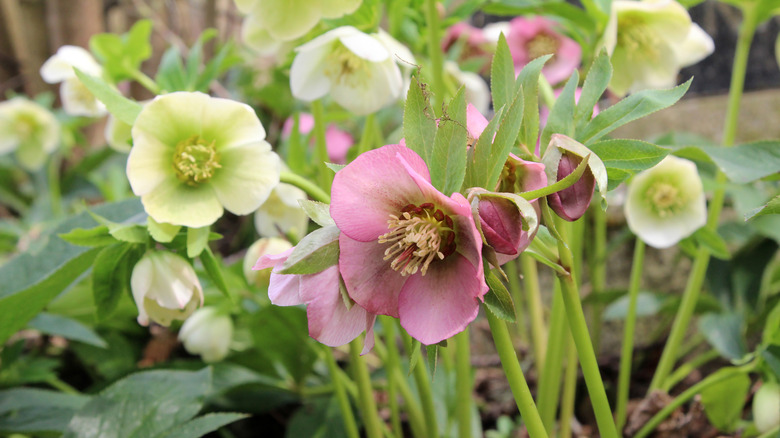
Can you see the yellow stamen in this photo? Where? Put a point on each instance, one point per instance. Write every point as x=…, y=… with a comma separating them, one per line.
x=195, y=160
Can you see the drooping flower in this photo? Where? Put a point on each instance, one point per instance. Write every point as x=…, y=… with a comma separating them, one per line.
x=508, y=222
x=29, y=130
x=286, y=20
x=165, y=287
x=406, y=249
x=530, y=38
x=337, y=141
x=331, y=320
x=262, y=247
x=359, y=71
x=194, y=154
x=475, y=88
x=281, y=214
x=649, y=42
x=207, y=333
x=666, y=203
x=77, y=100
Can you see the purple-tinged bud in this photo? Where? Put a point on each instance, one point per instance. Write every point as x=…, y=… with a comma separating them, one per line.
x=507, y=222
x=520, y=175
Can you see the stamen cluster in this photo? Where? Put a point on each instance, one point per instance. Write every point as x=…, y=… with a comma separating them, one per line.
x=195, y=160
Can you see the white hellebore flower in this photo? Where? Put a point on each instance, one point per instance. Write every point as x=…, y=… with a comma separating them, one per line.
x=476, y=89
x=359, y=71
x=29, y=130
x=77, y=100
x=165, y=287
x=666, y=202
x=285, y=20
x=264, y=246
x=207, y=333
x=649, y=42
x=281, y=214
x=194, y=154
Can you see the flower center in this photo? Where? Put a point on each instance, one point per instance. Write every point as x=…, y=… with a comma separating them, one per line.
x=636, y=38
x=665, y=198
x=195, y=160
x=26, y=125
x=541, y=45
x=343, y=64
x=419, y=236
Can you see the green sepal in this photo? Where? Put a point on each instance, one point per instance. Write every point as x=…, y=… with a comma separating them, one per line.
x=314, y=253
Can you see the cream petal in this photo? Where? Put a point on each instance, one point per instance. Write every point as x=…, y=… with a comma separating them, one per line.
x=281, y=214
x=248, y=175
x=337, y=8
x=177, y=203
x=697, y=46
x=365, y=46
x=149, y=163
x=232, y=124
x=288, y=19
x=77, y=100
x=171, y=118
x=257, y=37
x=307, y=81
x=367, y=92
x=60, y=66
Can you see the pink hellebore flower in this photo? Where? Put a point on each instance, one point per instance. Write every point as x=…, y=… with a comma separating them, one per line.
x=331, y=322
x=530, y=38
x=471, y=41
x=406, y=249
x=337, y=141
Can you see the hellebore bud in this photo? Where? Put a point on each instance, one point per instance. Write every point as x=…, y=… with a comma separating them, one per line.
x=264, y=246
x=165, y=287
x=207, y=333
x=766, y=407
x=507, y=222
x=561, y=158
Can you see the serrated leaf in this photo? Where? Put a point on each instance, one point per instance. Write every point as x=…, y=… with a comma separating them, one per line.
x=197, y=240
x=502, y=75
x=528, y=80
x=629, y=109
x=317, y=211
x=315, y=252
x=747, y=162
x=596, y=82
x=419, y=123
x=121, y=107
x=724, y=333
x=97, y=236
x=506, y=135
x=624, y=158
x=561, y=118
x=68, y=328
x=478, y=157
x=107, y=281
x=448, y=158
x=771, y=207
x=200, y=426
x=498, y=300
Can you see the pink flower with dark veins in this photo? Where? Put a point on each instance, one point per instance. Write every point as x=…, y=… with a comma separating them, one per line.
x=530, y=38
x=406, y=249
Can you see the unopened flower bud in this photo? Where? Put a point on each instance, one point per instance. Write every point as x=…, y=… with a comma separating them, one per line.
x=507, y=221
x=207, y=333
x=165, y=287
x=264, y=246
x=766, y=407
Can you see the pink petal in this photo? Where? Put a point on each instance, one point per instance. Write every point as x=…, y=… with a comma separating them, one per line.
x=572, y=202
x=305, y=124
x=283, y=288
x=371, y=188
x=475, y=121
x=501, y=224
x=567, y=59
x=441, y=303
x=530, y=174
x=370, y=280
x=338, y=143
x=368, y=343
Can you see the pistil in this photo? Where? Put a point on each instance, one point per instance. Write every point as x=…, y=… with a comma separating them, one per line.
x=195, y=160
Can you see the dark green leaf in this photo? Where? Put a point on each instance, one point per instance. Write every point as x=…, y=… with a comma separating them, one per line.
x=37, y=411
x=432, y=354
x=498, y=300
x=771, y=356
x=448, y=158
x=561, y=119
x=67, y=328
x=710, y=239
x=596, y=83
x=528, y=80
x=507, y=133
x=315, y=252
x=502, y=75
x=624, y=158
x=281, y=338
x=647, y=304
x=725, y=333
x=212, y=267
x=419, y=122
x=200, y=426
x=317, y=418
x=107, y=279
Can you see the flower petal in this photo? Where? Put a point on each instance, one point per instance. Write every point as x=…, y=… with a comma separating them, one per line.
x=230, y=124
x=247, y=176
x=307, y=81
x=60, y=66
x=368, y=90
x=440, y=304
x=171, y=118
x=365, y=46
x=330, y=322
x=288, y=19
x=149, y=163
x=177, y=203
x=475, y=121
x=697, y=46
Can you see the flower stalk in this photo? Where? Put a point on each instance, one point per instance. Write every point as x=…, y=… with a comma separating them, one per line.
x=371, y=421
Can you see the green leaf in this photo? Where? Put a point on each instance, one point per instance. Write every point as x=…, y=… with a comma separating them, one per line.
x=629, y=109
x=528, y=79
x=162, y=232
x=281, y=338
x=318, y=417
x=723, y=402
x=30, y=280
x=97, y=236
x=170, y=74
x=747, y=162
x=771, y=207
x=624, y=158
x=771, y=356
x=419, y=123
x=414, y=354
x=647, y=304
x=145, y=404
x=212, y=267
x=507, y=133
x=502, y=75
x=561, y=119
x=109, y=278
x=725, y=333
x=126, y=232
x=319, y=212
x=122, y=56
x=200, y=426
x=121, y=107
x=197, y=240
x=68, y=328
x=448, y=158
x=37, y=411
x=596, y=83
x=432, y=355
x=478, y=157
x=498, y=300
x=314, y=253
x=710, y=239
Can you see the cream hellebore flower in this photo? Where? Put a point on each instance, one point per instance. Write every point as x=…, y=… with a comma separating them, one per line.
x=359, y=71
x=77, y=100
x=285, y=20
x=262, y=247
x=194, y=154
x=649, y=42
x=666, y=202
x=29, y=130
x=208, y=333
x=281, y=214
x=165, y=288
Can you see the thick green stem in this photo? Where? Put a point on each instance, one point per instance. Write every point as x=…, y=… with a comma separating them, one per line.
x=435, y=53
x=535, y=308
x=307, y=186
x=321, y=147
x=371, y=421
x=569, y=388
x=517, y=296
x=624, y=377
x=341, y=395
x=366, y=140
x=514, y=374
x=549, y=392
x=463, y=383
x=598, y=271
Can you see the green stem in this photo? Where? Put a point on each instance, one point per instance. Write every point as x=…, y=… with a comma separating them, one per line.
x=550, y=374
x=434, y=53
x=691, y=293
x=321, y=147
x=713, y=379
x=423, y=382
x=569, y=388
x=564, y=183
x=371, y=420
x=514, y=374
x=53, y=180
x=517, y=296
x=624, y=377
x=392, y=361
x=535, y=308
x=368, y=135
x=463, y=383
x=145, y=81
x=579, y=330
x=307, y=186
x=341, y=395
x=685, y=369
x=56, y=383
x=598, y=272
